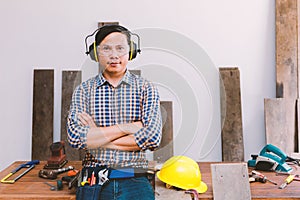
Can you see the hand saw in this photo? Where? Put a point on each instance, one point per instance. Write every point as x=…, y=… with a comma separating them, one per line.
x=28, y=165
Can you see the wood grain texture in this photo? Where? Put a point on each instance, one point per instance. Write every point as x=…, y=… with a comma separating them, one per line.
x=31, y=186
x=42, y=120
x=231, y=112
x=70, y=79
x=280, y=122
x=286, y=49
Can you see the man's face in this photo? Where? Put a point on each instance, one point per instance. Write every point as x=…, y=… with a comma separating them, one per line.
x=113, y=53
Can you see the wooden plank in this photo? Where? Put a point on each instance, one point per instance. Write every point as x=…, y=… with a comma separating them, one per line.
x=231, y=114
x=42, y=120
x=100, y=24
x=230, y=181
x=280, y=123
x=286, y=49
x=70, y=79
x=166, y=149
x=297, y=128
x=135, y=71
x=298, y=46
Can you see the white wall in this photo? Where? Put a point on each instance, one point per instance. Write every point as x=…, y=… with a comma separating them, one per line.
x=50, y=34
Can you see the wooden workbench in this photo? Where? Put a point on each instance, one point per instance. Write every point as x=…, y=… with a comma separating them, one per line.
x=32, y=187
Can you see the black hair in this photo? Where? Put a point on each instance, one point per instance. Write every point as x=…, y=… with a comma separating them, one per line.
x=108, y=29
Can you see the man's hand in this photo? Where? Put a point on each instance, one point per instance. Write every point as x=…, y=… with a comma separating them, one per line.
x=86, y=120
x=130, y=128
x=116, y=136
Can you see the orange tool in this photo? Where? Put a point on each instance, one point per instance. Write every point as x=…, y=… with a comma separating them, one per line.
x=93, y=179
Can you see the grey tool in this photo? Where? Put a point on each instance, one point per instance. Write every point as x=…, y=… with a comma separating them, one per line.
x=52, y=187
x=102, y=176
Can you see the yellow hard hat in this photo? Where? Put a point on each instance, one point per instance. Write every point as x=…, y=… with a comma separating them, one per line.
x=182, y=172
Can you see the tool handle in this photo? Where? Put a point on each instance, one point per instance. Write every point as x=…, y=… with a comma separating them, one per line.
x=289, y=179
x=65, y=169
x=28, y=164
x=4, y=180
x=33, y=162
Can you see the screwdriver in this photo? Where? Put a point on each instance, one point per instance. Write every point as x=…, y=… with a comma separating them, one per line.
x=262, y=176
x=256, y=178
x=287, y=181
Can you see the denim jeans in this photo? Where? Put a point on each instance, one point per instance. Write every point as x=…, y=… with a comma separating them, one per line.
x=128, y=189
x=88, y=192
x=118, y=189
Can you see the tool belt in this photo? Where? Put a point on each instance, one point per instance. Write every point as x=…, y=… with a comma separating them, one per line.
x=92, y=179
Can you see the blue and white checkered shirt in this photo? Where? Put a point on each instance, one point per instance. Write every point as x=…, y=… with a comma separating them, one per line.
x=134, y=99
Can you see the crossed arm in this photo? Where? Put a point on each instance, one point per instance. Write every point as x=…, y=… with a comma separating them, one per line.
x=118, y=136
x=84, y=132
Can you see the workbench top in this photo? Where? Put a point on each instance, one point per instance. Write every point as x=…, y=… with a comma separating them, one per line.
x=30, y=186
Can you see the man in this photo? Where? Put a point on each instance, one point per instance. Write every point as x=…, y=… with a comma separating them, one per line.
x=115, y=117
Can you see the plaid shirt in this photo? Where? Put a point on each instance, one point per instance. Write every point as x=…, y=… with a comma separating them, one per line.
x=134, y=99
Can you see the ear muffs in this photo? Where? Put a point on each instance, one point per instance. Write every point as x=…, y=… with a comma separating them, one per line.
x=132, y=51
x=93, y=52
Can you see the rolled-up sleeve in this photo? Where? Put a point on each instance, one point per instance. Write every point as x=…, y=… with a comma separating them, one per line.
x=149, y=136
x=76, y=131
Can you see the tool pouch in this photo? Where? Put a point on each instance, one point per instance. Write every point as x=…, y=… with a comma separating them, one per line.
x=88, y=192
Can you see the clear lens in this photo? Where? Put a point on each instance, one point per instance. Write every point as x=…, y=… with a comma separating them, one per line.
x=108, y=50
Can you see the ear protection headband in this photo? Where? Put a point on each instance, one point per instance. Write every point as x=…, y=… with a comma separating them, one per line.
x=134, y=48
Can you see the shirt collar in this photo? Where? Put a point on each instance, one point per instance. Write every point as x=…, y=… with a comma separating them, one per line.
x=127, y=78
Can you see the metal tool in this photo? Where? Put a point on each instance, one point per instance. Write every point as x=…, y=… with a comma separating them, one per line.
x=287, y=181
x=28, y=165
x=59, y=185
x=52, y=174
x=102, y=176
x=74, y=180
x=85, y=178
x=262, y=176
x=256, y=178
x=52, y=187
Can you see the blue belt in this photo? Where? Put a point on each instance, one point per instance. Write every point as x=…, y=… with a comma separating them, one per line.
x=118, y=173
x=127, y=173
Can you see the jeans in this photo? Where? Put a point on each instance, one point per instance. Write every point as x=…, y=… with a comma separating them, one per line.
x=128, y=189
x=118, y=189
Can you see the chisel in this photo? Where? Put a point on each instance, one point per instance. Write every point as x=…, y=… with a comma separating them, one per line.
x=287, y=181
